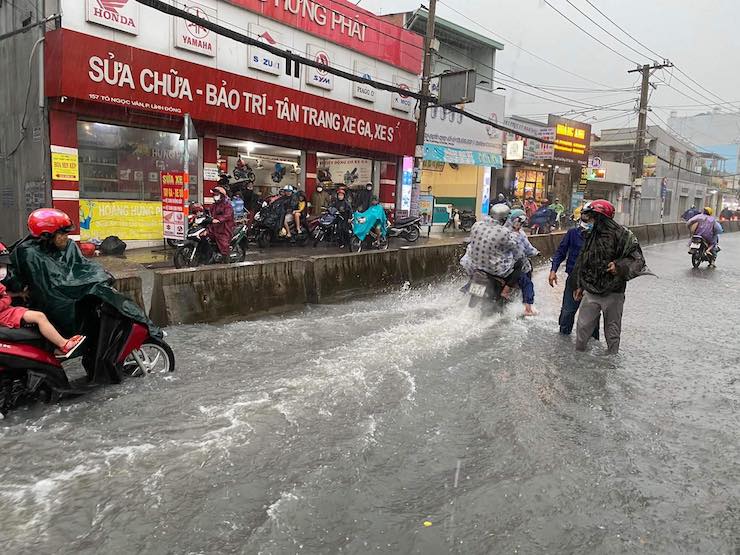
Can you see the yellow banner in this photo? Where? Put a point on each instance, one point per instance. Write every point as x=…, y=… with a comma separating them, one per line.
x=65, y=165
x=128, y=219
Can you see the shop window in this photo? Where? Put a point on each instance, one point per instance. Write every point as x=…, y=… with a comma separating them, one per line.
x=123, y=163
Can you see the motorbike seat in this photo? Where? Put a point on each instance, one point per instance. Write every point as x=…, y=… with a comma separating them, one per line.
x=405, y=221
x=20, y=335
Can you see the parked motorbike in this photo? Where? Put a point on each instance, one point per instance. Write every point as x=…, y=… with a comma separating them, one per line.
x=700, y=251
x=331, y=227
x=463, y=220
x=406, y=228
x=30, y=372
x=199, y=249
x=267, y=227
x=369, y=230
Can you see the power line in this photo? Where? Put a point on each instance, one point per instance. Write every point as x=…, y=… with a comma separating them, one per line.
x=605, y=30
x=610, y=20
x=513, y=43
x=602, y=43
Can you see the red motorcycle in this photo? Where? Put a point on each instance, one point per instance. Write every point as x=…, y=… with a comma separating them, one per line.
x=29, y=371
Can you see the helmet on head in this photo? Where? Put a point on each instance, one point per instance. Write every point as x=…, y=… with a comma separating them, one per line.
x=603, y=207
x=45, y=222
x=708, y=210
x=218, y=191
x=518, y=214
x=500, y=212
x=341, y=190
x=287, y=189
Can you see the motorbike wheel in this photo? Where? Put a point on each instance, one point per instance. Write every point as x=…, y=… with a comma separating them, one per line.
x=696, y=259
x=317, y=238
x=263, y=239
x=413, y=235
x=355, y=244
x=448, y=225
x=383, y=244
x=182, y=258
x=156, y=355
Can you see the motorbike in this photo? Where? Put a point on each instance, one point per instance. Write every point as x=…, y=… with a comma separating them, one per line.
x=700, y=251
x=267, y=227
x=331, y=227
x=199, y=249
x=30, y=372
x=369, y=230
x=485, y=289
x=406, y=228
x=466, y=220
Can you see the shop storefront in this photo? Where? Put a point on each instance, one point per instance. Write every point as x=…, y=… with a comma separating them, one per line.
x=117, y=111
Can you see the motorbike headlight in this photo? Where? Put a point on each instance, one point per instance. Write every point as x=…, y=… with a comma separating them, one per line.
x=361, y=220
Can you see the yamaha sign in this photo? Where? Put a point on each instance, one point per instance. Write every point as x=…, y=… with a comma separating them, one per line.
x=122, y=15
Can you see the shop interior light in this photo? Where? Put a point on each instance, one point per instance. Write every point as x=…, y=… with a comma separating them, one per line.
x=250, y=147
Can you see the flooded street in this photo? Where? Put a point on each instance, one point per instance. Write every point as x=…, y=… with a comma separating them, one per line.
x=343, y=428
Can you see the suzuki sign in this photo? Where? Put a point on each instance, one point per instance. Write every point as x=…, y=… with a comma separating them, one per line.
x=122, y=15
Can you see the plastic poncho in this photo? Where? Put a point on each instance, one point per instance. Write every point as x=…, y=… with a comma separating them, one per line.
x=365, y=221
x=609, y=242
x=59, y=280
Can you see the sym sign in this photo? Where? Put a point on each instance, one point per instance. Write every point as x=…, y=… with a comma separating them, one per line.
x=114, y=74
x=121, y=15
x=193, y=37
x=315, y=77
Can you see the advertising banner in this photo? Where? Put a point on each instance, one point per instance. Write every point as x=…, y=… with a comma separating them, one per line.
x=407, y=183
x=260, y=59
x=451, y=134
x=485, y=203
x=349, y=171
x=121, y=15
x=361, y=90
x=426, y=210
x=101, y=71
x=315, y=77
x=572, y=139
x=128, y=219
x=193, y=37
x=65, y=164
x=174, y=204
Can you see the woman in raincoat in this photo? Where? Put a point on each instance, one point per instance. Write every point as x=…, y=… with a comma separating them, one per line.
x=221, y=228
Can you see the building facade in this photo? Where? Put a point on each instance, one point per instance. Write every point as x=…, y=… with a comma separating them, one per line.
x=119, y=78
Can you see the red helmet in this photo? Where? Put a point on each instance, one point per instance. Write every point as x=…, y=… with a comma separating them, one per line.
x=600, y=207
x=48, y=221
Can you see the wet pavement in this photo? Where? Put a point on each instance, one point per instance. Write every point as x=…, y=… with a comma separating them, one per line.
x=344, y=428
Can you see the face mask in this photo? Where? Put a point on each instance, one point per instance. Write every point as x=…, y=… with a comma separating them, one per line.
x=3, y=272
x=319, y=189
x=586, y=226
x=369, y=188
x=216, y=197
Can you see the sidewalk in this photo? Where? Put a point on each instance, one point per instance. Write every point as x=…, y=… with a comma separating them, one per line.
x=142, y=261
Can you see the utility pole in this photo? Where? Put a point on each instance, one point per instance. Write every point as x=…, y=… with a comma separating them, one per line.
x=424, y=104
x=647, y=70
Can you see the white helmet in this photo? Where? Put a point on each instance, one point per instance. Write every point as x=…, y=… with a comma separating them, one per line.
x=500, y=212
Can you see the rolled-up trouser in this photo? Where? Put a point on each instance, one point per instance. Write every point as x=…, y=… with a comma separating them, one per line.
x=527, y=287
x=570, y=308
x=592, y=306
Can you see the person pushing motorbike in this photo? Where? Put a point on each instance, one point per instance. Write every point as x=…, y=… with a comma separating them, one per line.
x=495, y=250
x=611, y=256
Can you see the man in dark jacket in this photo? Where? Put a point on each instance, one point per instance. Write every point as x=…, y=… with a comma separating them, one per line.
x=568, y=251
x=222, y=226
x=363, y=198
x=319, y=200
x=611, y=256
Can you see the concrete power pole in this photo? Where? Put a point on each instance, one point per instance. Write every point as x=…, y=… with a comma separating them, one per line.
x=423, y=104
x=641, y=149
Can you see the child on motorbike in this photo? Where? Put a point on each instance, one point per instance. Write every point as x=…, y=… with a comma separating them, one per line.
x=16, y=316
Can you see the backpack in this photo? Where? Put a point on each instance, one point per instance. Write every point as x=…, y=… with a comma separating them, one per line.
x=112, y=245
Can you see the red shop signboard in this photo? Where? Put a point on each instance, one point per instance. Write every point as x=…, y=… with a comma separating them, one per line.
x=92, y=69
x=341, y=22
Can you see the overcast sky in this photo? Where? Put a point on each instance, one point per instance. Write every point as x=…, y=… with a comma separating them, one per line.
x=701, y=37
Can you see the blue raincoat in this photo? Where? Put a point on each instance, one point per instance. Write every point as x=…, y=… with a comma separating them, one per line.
x=365, y=221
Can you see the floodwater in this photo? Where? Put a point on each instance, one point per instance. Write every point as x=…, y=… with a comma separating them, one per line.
x=344, y=428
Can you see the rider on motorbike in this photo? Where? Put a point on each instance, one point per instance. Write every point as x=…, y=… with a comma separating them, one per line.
x=74, y=293
x=222, y=226
x=495, y=250
x=707, y=226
